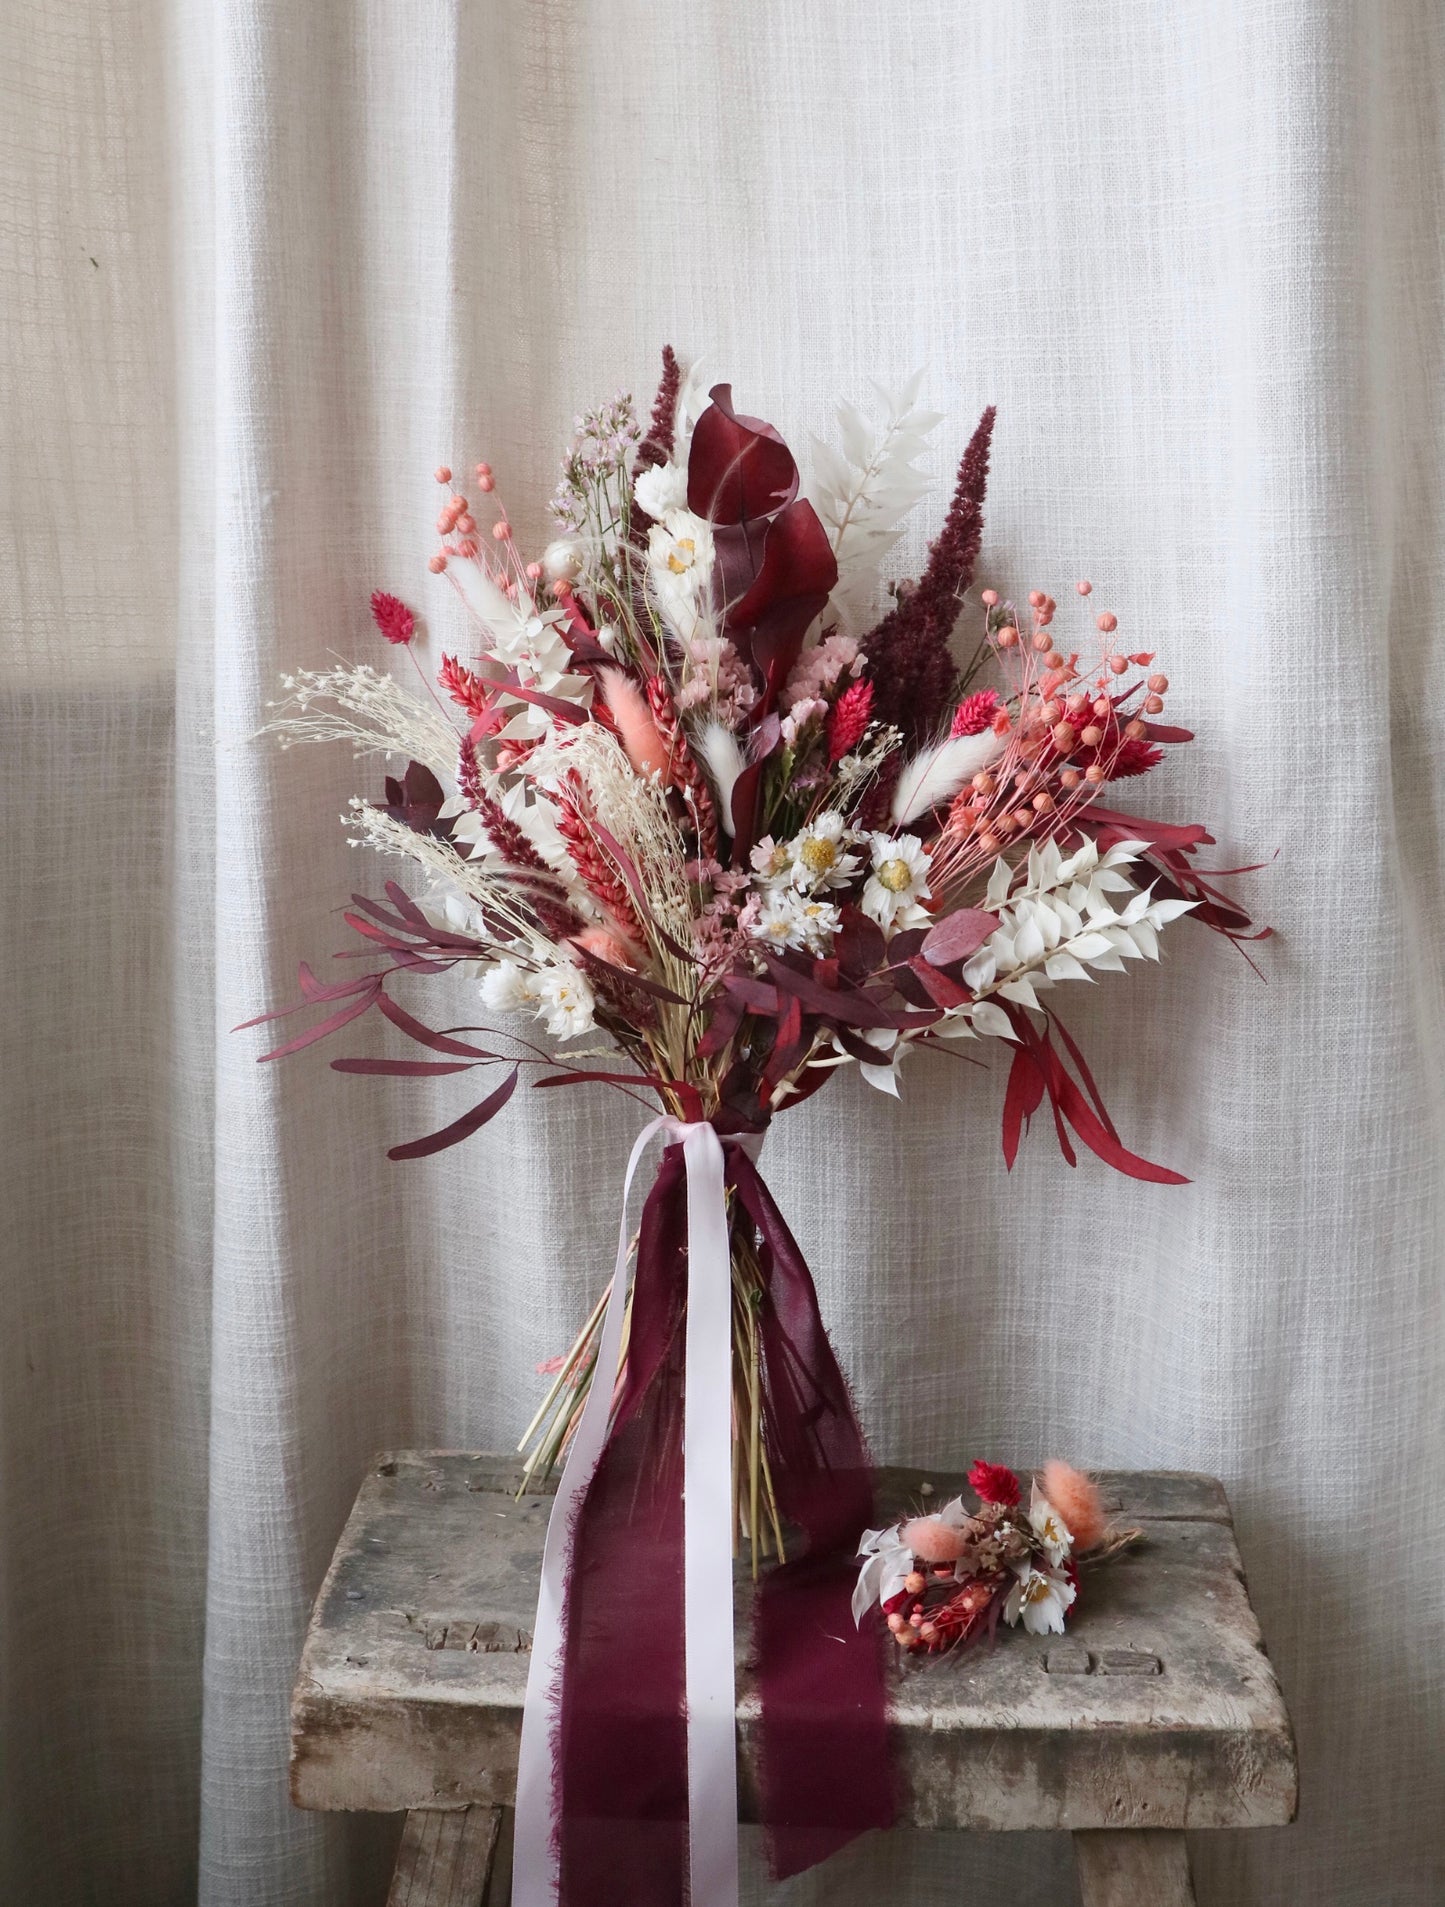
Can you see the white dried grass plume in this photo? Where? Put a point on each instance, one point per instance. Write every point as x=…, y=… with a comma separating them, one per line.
x=722, y=756
x=371, y=711
x=491, y=893
x=937, y=773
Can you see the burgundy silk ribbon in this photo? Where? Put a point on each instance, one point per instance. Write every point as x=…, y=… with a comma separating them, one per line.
x=620, y=1800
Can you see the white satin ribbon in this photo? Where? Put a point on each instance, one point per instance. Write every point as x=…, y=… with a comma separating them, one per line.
x=707, y=1550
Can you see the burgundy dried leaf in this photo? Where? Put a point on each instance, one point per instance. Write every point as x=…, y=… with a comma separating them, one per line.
x=424, y=1035
x=940, y=989
x=401, y=1068
x=1021, y=1100
x=459, y=1129
x=416, y=800
x=333, y=1023
x=958, y=936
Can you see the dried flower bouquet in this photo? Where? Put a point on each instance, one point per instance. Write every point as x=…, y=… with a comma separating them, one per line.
x=710, y=815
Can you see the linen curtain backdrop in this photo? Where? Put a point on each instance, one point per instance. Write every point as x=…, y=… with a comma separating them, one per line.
x=264, y=266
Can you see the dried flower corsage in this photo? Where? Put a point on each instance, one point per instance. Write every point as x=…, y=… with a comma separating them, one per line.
x=947, y=1579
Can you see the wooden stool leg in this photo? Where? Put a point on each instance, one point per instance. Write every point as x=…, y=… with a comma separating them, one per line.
x=1133, y=1867
x=446, y=1857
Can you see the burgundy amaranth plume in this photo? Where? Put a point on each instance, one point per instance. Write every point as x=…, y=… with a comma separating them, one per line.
x=657, y=446
x=911, y=664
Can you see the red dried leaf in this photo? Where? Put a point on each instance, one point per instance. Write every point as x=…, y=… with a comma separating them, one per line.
x=331, y=1024
x=1024, y=1096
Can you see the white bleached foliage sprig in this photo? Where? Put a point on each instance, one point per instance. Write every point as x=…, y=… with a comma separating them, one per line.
x=864, y=490
x=1059, y=922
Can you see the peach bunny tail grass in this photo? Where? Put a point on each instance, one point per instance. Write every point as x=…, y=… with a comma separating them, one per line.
x=1077, y=1500
x=933, y=1539
x=646, y=749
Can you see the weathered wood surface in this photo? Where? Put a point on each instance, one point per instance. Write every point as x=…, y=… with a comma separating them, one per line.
x=447, y=1858
x=1133, y=1869
x=1158, y=1709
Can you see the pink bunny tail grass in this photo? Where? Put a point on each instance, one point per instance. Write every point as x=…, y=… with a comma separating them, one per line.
x=1077, y=1500
x=933, y=1539
x=646, y=749
x=849, y=718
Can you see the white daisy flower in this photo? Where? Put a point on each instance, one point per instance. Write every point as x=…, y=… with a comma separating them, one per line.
x=898, y=881
x=1039, y=1600
x=508, y=988
x=819, y=853
x=1049, y=1527
x=679, y=555
x=772, y=860
x=565, y=1002
x=786, y=919
x=661, y=489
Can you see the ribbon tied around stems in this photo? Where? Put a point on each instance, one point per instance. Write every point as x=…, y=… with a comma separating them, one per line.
x=627, y=1775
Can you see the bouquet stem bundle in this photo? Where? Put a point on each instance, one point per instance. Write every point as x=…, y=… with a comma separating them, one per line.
x=756, y=1521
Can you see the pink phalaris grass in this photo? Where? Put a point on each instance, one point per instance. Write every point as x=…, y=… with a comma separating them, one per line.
x=392, y=618
x=994, y=1482
x=466, y=688
x=974, y=714
x=909, y=657
x=849, y=718
x=683, y=769
x=1077, y=1500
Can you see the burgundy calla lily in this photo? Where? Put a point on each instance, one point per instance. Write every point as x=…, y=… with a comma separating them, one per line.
x=738, y=468
x=775, y=567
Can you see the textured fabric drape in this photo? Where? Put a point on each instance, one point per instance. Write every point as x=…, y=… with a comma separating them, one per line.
x=262, y=266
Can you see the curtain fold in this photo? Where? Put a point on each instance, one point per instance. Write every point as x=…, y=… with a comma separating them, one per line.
x=262, y=267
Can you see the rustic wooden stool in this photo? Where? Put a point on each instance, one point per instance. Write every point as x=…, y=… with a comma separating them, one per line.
x=1158, y=1711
